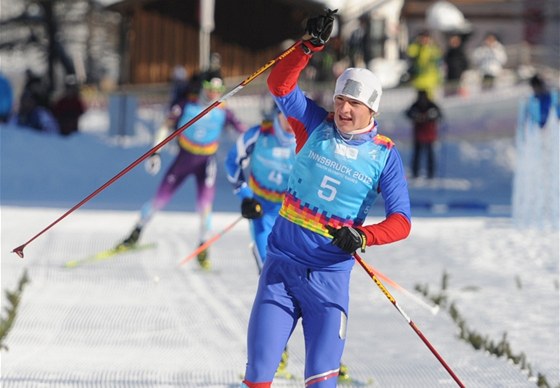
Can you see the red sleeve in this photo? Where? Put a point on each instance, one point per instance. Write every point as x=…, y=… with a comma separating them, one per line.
x=299, y=131
x=284, y=75
x=394, y=228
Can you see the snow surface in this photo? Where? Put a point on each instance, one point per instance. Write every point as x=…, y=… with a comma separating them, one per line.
x=140, y=319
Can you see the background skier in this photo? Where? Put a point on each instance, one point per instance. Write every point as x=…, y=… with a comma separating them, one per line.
x=198, y=145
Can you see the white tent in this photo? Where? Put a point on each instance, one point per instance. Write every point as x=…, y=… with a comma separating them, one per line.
x=446, y=17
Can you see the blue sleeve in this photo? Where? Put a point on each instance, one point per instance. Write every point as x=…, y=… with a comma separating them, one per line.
x=238, y=158
x=393, y=186
x=295, y=104
x=6, y=97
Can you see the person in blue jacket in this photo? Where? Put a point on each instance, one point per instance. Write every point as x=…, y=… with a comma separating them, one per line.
x=198, y=145
x=258, y=166
x=542, y=103
x=342, y=165
x=6, y=99
x=32, y=115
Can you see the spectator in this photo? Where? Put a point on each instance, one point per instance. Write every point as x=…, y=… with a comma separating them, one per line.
x=34, y=116
x=6, y=99
x=425, y=61
x=456, y=62
x=68, y=108
x=536, y=179
x=323, y=66
x=424, y=114
x=542, y=103
x=490, y=58
x=179, y=84
x=359, y=45
x=215, y=67
x=36, y=85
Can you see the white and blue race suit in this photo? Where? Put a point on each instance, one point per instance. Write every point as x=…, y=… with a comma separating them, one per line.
x=265, y=153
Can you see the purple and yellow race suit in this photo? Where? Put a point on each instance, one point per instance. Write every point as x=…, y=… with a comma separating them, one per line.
x=198, y=145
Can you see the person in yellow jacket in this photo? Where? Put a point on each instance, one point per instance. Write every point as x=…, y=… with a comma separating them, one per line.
x=425, y=64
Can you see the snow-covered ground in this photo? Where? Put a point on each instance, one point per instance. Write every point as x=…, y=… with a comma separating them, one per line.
x=140, y=319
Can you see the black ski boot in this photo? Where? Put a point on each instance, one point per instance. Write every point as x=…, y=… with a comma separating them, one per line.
x=132, y=239
x=203, y=259
x=343, y=375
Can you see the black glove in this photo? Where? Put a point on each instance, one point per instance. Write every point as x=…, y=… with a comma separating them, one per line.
x=348, y=239
x=320, y=28
x=251, y=208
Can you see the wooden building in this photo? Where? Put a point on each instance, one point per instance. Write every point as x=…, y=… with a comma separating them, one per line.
x=157, y=35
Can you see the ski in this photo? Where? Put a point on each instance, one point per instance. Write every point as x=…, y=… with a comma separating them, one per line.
x=107, y=254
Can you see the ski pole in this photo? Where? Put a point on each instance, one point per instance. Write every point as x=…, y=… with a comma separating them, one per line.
x=19, y=250
x=210, y=241
x=433, y=309
x=414, y=327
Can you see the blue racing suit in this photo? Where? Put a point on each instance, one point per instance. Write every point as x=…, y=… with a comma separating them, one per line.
x=335, y=181
x=269, y=152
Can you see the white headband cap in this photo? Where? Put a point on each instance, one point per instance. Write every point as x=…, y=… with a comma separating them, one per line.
x=361, y=85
